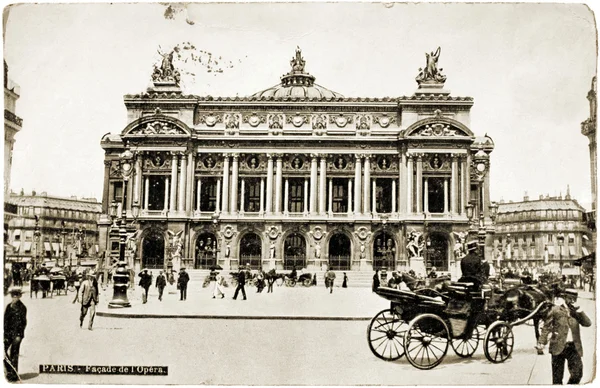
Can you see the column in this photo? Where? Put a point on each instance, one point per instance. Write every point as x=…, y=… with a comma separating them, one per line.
x=419, y=183
x=146, y=192
x=305, y=196
x=182, y=182
x=468, y=180
x=218, y=198
x=166, y=195
x=233, y=208
x=330, y=202
x=225, y=188
x=367, y=185
x=269, y=204
x=446, y=196
x=374, y=205
x=198, y=192
x=313, y=183
x=409, y=185
x=262, y=196
x=138, y=179
x=393, y=196
x=242, y=195
x=426, y=202
x=173, y=196
x=322, y=182
x=463, y=183
x=106, y=188
x=189, y=195
x=402, y=179
x=349, y=196
x=278, y=183
x=357, y=194
x=286, y=197
x=454, y=185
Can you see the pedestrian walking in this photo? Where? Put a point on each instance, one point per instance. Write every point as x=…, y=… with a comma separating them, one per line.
x=376, y=281
x=241, y=284
x=89, y=299
x=329, y=280
x=77, y=284
x=145, y=283
x=563, y=322
x=182, y=282
x=345, y=281
x=314, y=279
x=161, y=283
x=271, y=276
x=218, y=291
x=15, y=321
x=260, y=281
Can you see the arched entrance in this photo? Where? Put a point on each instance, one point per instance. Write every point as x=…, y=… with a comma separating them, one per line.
x=339, y=252
x=437, y=252
x=251, y=251
x=384, y=251
x=153, y=249
x=206, y=251
x=294, y=254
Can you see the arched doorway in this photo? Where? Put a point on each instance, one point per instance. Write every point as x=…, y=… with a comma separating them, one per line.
x=384, y=251
x=339, y=252
x=153, y=249
x=206, y=251
x=294, y=253
x=251, y=251
x=437, y=252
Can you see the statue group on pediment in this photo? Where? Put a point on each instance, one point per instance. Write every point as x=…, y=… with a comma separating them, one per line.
x=166, y=72
x=157, y=128
x=431, y=73
x=437, y=129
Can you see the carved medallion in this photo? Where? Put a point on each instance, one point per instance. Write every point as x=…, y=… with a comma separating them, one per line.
x=341, y=120
x=383, y=162
x=297, y=120
x=210, y=119
x=253, y=162
x=255, y=119
x=384, y=121
x=317, y=233
x=273, y=232
x=340, y=162
x=363, y=233
x=228, y=232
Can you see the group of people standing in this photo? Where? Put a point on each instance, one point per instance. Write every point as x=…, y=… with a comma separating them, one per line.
x=146, y=280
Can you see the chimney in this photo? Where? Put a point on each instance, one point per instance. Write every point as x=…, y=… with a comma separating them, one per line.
x=525, y=197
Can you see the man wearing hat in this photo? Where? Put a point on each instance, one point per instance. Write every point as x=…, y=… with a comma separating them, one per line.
x=15, y=321
x=161, y=283
x=471, y=266
x=565, y=345
x=145, y=283
x=182, y=282
x=89, y=299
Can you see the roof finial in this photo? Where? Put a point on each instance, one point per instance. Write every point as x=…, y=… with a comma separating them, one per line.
x=568, y=196
x=297, y=76
x=298, y=62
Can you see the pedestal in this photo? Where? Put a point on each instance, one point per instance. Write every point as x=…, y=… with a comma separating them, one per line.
x=120, y=286
x=417, y=264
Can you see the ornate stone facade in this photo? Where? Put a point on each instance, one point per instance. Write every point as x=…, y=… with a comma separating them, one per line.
x=298, y=175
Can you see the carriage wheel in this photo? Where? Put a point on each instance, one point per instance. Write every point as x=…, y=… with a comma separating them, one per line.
x=466, y=347
x=426, y=341
x=385, y=335
x=307, y=282
x=499, y=342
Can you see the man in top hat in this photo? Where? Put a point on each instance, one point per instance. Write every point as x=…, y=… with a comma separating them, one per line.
x=241, y=284
x=15, y=321
x=161, y=283
x=145, y=283
x=565, y=344
x=89, y=299
x=182, y=282
x=472, y=267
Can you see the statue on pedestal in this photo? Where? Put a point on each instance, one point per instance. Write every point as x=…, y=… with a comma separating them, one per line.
x=166, y=72
x=431, y=73
x=415, y=244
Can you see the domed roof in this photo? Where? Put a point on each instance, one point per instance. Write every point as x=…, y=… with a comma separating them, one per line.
x=297, y=84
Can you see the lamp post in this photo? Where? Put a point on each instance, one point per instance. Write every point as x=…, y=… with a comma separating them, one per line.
x=561, y=240
x=121, y=276
x=482, y=229
x=36, y=239
x=63, y=252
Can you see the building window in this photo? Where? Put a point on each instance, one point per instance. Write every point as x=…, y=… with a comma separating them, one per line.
x=340, y=195
x=156, y=192
x=117, y=192
x=208, y=195
x=435, y=195
x=296, y=193
x=252, y=195
x=383, y=196
x=571, y=238
x=550, y=238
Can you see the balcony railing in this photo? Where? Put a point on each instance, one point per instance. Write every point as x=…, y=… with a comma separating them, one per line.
x=10, y=116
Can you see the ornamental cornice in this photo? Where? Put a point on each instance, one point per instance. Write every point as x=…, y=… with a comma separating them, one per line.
x=254, y=119
x=384, y=121
x=341, y=120
x=297, y=120
x=210, y=119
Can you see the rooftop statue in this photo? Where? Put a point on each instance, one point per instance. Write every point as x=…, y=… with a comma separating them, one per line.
x=431, y=73
x=166, y=72
x=298, y=62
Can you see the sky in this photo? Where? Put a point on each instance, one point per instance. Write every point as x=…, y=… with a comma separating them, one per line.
x=528, y=67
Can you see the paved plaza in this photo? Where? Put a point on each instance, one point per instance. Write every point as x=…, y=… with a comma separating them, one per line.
x=306, y=337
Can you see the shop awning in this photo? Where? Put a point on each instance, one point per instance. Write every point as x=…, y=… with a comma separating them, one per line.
x=27, y=246
x=47, y=247
x=585, y=251
x=586, y=260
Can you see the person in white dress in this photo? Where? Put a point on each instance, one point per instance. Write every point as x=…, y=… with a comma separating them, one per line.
x=218, y=291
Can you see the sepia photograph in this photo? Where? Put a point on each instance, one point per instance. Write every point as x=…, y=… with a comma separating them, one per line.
x=300, y=194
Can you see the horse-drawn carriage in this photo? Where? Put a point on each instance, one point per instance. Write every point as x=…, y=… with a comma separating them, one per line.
x=423, y=323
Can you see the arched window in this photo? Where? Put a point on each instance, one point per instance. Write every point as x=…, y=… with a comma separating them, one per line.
x=294, y=252
x=340, y=252
x=251, y=251
x=206, y=251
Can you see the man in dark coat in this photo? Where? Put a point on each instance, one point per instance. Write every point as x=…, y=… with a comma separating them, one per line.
x=145, y=283
x=89, y=299
x=182, y=282
x=376, y=281
x=565, y=345
x=161, y=283
x=471, y=266
x=15, y=321
x=241, y=284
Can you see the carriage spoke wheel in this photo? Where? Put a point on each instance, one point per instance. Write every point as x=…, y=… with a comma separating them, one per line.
x=307, y=282
x=466, y=347
x=426, y=341
x=385, y=335
x=499, y=342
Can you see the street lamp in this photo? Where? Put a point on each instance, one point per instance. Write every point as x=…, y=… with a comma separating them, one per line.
x=561, y=239
x=36, y=239
x=63, y=252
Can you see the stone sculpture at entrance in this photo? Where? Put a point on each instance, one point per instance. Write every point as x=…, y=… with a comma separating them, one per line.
x=415, y=244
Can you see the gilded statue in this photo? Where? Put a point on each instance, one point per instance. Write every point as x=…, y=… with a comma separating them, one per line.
x=431, y=73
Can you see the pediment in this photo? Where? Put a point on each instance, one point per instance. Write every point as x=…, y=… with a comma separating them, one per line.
x=157, y=126
x=438, y=128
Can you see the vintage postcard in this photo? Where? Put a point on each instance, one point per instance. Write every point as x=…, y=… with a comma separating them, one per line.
x=300, y=193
